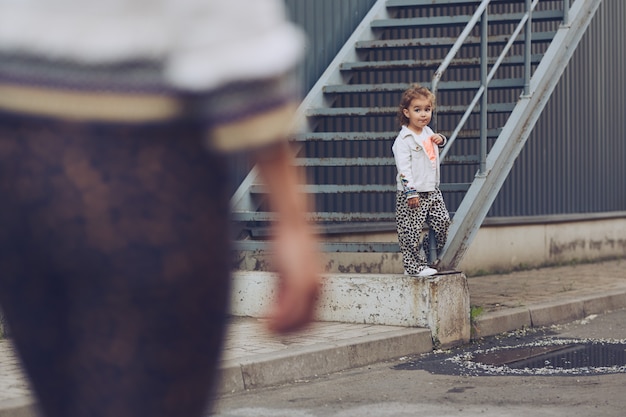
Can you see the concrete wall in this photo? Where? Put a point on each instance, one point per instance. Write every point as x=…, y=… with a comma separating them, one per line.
x=507, y=247
x=500, y=246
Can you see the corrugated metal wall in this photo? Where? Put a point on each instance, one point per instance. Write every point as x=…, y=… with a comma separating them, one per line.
x=575, y=158
x=328, y=24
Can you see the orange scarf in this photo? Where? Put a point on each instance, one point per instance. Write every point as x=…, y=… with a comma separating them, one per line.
x=427, y=144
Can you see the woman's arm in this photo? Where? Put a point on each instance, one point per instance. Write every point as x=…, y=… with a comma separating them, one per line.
x=295, y=246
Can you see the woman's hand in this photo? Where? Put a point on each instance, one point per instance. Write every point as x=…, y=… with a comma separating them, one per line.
x=295, y=247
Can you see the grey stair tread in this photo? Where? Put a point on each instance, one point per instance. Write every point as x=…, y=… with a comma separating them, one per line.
x=336, y=162
x=400, y=87
x=378, y=247
x=461, y=160
x=446, y=41
x=372, y=162
x=365, y=136
x=391, y=111
x=358, y=188
x=316, y=216
x=428, y=63
x=538, y=16
x=350, y=136
x=418, y=3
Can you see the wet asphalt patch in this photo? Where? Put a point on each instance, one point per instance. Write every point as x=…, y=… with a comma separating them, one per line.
x=537, y=354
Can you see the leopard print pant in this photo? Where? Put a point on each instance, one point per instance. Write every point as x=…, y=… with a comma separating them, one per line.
x=410, y=222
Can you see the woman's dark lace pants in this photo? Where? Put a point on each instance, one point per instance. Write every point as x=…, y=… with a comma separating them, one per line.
x=114, y=264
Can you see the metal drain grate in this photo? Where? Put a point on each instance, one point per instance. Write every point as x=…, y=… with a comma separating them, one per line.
x=549, y=357
x=540, y=357
x=569, y=356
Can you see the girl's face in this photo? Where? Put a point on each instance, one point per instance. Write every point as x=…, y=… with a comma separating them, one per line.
x=419, y=113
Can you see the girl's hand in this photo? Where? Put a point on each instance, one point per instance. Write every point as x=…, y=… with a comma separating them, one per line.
x=436, y=139
x=413, y=202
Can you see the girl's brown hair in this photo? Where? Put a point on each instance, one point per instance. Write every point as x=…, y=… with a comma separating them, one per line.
x=413, y=92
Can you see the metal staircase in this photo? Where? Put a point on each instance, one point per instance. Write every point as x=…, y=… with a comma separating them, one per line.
x=492, y=64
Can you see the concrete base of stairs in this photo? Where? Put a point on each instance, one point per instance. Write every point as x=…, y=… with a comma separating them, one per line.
x=439, y=303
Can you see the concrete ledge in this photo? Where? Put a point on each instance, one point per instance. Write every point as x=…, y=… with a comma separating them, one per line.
x=350, y=298
x=446, y=305
x=321, y=359
x=392, y=300
x=440, y=302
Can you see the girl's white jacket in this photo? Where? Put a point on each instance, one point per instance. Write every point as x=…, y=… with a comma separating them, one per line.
x=416, y=172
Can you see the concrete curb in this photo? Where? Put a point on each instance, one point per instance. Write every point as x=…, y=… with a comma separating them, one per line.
x=546, y=314
x=321, y=359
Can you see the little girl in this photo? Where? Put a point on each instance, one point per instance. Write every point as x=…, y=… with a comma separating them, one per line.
x=418, y=199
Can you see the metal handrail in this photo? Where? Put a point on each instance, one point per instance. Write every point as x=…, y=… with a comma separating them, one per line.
x=457, y=45
x=481, y=14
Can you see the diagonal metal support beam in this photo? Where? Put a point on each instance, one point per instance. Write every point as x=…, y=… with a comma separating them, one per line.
x=483, y=191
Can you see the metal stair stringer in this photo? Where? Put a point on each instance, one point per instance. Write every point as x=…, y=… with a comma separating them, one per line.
x=485, y=187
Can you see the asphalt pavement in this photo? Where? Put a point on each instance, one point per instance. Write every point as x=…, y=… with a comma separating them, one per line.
x=254, y=358
x=575, y=369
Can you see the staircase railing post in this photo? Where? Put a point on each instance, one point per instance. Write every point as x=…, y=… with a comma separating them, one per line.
x=432, y=246
x=452, y=53
x=565, y=12
x=527, y=48
x=484, y=58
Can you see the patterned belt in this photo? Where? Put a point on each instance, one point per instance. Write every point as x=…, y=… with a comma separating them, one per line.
x=89, y=105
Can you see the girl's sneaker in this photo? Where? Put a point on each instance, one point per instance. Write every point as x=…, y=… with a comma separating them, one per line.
x=427, y=272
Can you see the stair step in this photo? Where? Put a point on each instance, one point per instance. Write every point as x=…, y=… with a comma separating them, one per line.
x=376, y=136
x=358, y=188
x=339, y=162
x=461, y=160
x=430, y=3
x=264, y=216
x=260, y=245
x=334, y=188
x=372, y=45
x=414, y=22
x=392, y=111
x=372, y=162
x=326, y=229
x=414, y=3
x=430, y=63
x=347, y=136
x=400, y=87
